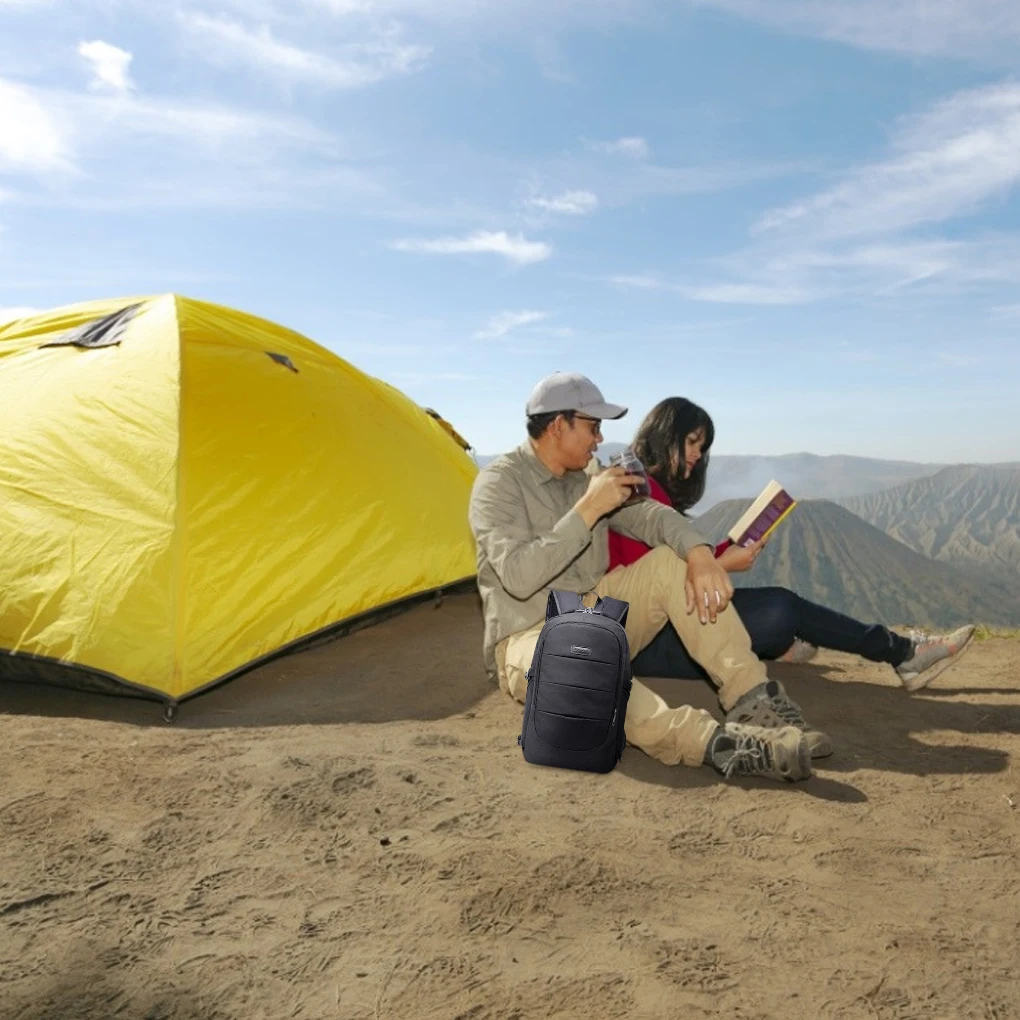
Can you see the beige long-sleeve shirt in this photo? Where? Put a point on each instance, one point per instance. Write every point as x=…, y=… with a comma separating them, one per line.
x=531, y=539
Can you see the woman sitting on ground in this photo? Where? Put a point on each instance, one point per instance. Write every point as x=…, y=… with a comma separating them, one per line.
x=673, y=442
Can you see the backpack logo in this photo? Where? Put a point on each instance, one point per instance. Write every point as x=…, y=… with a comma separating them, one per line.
x=579, y=650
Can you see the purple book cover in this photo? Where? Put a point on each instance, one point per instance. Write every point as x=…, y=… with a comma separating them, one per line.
x=778, y=507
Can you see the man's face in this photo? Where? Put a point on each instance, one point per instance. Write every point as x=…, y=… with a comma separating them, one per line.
x=578, y=440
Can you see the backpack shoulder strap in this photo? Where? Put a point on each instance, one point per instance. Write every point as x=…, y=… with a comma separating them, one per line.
x=615, y=609
x=561, y=602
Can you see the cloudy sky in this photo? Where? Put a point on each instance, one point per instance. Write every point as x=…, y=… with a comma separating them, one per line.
x=802, y=215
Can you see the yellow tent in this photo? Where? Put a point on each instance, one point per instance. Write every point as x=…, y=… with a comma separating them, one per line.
x=186, y=489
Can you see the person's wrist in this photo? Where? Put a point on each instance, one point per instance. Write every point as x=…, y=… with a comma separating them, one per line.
x=587, y=512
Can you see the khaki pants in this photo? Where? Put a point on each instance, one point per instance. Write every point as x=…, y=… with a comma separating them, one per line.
x=654, y=588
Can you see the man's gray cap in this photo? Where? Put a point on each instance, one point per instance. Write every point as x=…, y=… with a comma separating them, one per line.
x=571, y=391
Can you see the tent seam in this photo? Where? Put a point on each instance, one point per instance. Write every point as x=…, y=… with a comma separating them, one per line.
x=176, y=573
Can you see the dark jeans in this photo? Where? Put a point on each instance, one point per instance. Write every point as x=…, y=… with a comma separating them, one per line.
x=774, y=617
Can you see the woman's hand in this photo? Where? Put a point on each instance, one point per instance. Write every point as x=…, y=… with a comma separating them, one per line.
x=736, y=559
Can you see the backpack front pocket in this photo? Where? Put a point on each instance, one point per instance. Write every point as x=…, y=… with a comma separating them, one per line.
x=571, y=733
x=574, y=702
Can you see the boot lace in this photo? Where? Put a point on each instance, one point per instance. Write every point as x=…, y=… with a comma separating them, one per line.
x=750, y=757
x=788, y=710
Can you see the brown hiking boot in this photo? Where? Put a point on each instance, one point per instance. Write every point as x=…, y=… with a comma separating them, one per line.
x=738, y=750
x=769, y=705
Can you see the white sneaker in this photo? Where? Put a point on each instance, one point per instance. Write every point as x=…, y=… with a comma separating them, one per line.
x=932, y=655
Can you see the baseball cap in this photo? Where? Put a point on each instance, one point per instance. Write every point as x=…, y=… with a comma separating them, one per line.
x=571, y=391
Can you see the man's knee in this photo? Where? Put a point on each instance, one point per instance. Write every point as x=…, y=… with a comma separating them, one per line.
x=664, y=565
x=513, y=681
x=662, y=555
x=513, y=658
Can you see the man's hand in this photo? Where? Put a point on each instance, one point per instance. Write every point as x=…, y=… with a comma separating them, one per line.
x=708, y=585
x=606, y=492
x=738, y=558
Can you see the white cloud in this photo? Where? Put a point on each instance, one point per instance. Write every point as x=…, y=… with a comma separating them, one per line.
x=859, y=237
x=32, y=139
x=503, y=323
x=639, y=282
x=1006, y=311
x=108, y=64
x=985, y=29
x=570, y=203
x=356, y=64
x=747, y=294
x=733, y=293
x=490, y=15
x=209, y=125
x=634, y=148
x=516, y=249
x=945, y=163
x=121, y=151
x=38, y=127
x=763, y=276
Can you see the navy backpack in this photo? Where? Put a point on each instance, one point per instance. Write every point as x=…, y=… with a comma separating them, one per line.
x=578, y=686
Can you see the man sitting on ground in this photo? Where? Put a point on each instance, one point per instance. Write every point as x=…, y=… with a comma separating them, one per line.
x=539, y=517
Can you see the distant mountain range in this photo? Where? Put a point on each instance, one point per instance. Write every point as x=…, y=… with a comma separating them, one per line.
x=805, y=475
x=967, y=516
x=831, y=556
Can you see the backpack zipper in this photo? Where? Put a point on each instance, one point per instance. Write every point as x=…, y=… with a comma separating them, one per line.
x=520, y=736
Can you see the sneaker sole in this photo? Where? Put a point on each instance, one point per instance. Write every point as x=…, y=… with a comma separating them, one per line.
x=922, y=680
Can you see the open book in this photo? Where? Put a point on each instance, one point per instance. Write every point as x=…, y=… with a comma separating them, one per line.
x=762, y=516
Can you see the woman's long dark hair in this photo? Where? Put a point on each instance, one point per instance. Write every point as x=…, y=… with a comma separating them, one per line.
x=660, y=444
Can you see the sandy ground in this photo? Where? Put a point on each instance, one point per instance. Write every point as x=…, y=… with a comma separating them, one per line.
x=353, y=833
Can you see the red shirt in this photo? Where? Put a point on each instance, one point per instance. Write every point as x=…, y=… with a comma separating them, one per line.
x=622, y=550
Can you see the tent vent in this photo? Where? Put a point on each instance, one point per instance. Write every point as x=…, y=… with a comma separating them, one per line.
x=448, y=428
x=282, y=359
x=105, y=332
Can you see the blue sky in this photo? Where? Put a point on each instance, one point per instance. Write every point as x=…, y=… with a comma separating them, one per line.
x=802, y=215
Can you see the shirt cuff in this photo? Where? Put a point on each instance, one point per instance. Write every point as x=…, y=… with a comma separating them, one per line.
x=571, y=526
x=688, y=542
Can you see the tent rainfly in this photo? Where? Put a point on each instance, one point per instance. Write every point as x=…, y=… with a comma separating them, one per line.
x=186, y=490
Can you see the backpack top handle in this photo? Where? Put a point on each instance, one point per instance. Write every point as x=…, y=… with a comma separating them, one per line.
x=561, y=602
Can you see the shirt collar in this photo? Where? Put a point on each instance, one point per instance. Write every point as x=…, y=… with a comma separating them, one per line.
x=542, y=474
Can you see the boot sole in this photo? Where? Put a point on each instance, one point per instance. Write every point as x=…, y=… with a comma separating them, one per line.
x=803, y=764
x=820, y=748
